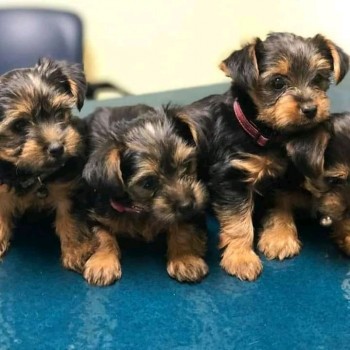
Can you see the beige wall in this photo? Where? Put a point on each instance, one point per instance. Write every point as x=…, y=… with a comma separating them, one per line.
x=154, y=45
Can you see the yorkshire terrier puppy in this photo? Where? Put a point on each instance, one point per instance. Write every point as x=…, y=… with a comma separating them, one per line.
x=324, y=159
x=143, y=170
x=278, y=89
x=42, y=152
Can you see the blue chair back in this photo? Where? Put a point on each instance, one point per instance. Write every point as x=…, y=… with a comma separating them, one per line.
x=27, y=34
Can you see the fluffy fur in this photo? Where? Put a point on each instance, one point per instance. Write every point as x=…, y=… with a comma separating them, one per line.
x=42, y=152
x=142, y=167
x=280, y=84
x=325, y=161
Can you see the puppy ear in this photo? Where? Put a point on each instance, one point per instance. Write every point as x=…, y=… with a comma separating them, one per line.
x=69, y=76
x=103, y=168
x=339, y=59
x=307, y=151
x=185, y=126
x=242, y=65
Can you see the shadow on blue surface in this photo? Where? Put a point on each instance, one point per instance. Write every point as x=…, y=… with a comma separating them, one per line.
x=296, y=304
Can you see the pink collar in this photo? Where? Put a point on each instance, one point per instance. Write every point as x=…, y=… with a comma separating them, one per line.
x=248, y=126
x=121, y=208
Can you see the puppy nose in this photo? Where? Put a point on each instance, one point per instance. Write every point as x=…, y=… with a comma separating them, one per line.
x=186, y=210
x=55, y=150
x=309, y=111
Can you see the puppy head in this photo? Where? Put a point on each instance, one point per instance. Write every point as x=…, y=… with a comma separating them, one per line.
x=36, y=127
x=287, y=77
x=147, y=167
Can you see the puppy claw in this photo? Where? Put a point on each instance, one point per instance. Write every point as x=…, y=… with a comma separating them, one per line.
x=102, y=269
x=244, y=265
x=279, y=245
x=187, y=269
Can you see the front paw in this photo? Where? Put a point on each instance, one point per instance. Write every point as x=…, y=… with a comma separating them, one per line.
x=279, y=243
x=344, y=245
x=4, y=246
x=243, y=264
x=102, y=269
x=187, y=268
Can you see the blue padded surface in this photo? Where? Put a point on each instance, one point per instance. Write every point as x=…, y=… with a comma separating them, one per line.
x=302, y=303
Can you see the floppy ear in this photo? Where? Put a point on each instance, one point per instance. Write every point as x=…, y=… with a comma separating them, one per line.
x=103, y=168
x=242, y=65
x=184, y=124
x=339, y=59
x=69, y=76
x=307, y=152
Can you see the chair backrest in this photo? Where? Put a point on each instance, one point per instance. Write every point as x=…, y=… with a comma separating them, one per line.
x=28, y=34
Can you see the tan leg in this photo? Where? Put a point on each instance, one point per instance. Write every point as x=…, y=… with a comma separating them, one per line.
x=103, y=267
x=186, y=249
x=6, y=219
x=341, y=234
x=77, y=244
x=279, y=236
x=236, y=238
x=6, y=226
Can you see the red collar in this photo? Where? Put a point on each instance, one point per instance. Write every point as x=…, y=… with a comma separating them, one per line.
x=121, y=208
x=248, y=126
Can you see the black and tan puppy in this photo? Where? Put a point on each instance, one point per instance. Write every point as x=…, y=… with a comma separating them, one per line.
x=42, y=152
x=279, y=89
x=142, y=167
x=324, y=159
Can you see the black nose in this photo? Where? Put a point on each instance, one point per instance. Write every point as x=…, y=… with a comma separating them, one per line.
x=55, y=150
x=309, y=111
x=186, y=210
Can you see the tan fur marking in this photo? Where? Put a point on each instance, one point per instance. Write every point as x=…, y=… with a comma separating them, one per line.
x=51, y=133
x=279, y=236
x=224, y=68
x=336, y=59
x=32, y=153
x=236, y=237
x=286, y=112
x=103, y=268
x=6, y=221
x=182, y=153
x=186, y=250
x=63, y=101
x=72, y=141
x=259, y=167
x=74, y=252
x=113, y=165
x=341, y=235
x=187, y=120
x=318, y=62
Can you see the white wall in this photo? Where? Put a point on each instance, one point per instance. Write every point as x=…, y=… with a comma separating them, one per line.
x=156, y=45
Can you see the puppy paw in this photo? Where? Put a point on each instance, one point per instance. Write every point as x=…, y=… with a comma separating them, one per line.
x=75, y=257
x=102, y=269
x=245, y=265
x=279, y=244
x=344, y=245
x=187, y=268
x=4, y=246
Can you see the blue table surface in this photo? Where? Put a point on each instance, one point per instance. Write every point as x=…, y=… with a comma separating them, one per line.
x=301, y=303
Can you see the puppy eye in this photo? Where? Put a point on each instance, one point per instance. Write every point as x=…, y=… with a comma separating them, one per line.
x=60, y=117
x=20, y=125
x=318, y=79
x=149, y=183
x=278, y=83
x=335, y=181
